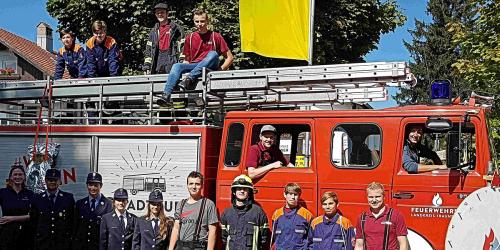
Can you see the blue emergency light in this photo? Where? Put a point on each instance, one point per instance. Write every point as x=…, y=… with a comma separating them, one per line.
x=440, y=92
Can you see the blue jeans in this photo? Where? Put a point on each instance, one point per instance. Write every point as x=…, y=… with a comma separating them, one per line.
x=211, y=61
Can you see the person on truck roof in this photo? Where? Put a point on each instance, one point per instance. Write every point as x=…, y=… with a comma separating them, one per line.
x=413, y=150
x=102, y=53
x=15, y=200
x=161, y=48
x=244, y=224
x=380, y=227
x=52, y=214
x=331, y=231
x=71, y=57
x=117, y=228
x=196, y=220
x=201, y=50
x=153, y=230
x=291, y=223
x=88, y=213
x=265, y=155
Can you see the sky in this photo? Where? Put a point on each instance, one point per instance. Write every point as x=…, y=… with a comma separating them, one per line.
x=22, y=16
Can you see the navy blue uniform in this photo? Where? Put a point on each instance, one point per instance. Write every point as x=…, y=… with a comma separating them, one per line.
x=14, y=235
x=87, y=222
x=102, y=59
x=146, y=238
x=53, y=221
x=73, y=60
x=113, y=235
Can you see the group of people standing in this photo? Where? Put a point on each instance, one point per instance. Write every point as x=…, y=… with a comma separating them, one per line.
x=162, y=53
x=53, y=220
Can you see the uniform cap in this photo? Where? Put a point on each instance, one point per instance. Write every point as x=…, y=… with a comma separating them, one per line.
x=268, y=128
x=242, y=181
x=161, y=6
x=155, y=196
x=120, y=193
x=94, y=177
x=53, y=173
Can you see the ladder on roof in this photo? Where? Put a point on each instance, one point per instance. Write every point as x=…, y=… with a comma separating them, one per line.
x=217, y=91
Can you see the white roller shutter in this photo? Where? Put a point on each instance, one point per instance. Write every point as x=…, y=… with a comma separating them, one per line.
x=143, y=164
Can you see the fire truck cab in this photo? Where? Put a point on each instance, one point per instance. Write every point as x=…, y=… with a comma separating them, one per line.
x=345, y=150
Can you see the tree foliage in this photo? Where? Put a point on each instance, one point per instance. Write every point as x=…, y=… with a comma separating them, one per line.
x=433, y=50
x=480, y=46
x=345, y=30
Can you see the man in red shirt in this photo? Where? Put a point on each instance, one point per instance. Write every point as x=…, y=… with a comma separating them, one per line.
x=265, y=155
x=201, y=50
x=381, y=227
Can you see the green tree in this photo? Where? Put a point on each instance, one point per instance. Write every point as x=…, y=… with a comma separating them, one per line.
x=345, y=30
x=480, y=46
x=433, y=51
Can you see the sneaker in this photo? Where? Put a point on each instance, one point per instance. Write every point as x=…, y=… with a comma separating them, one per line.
x=163, y=100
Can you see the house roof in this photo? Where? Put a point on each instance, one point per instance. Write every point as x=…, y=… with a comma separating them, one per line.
x=29, y=51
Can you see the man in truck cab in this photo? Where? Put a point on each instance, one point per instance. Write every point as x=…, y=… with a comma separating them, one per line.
x=265, y=155
x=413, y=150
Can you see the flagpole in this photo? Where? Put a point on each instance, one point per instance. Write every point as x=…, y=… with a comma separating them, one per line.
x=311, y=31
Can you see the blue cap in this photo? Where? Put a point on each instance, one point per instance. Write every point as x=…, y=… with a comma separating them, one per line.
x=120, y=193
x=94, y=177
x=53, y=173
x=155, y=196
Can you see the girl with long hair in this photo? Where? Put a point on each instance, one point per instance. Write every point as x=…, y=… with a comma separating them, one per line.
x=152, y=231
x=15, y=200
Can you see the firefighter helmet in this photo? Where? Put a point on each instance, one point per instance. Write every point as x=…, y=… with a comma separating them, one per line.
x=242, y=181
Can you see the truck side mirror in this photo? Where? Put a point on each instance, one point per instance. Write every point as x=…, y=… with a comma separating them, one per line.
x=453, y=150
x=438, y=124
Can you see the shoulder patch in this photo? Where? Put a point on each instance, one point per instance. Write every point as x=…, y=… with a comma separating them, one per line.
x=306, y=214
x=344, y=222
x=62, y=50
x=90, y=43
x=278, y=213
x=77, y=47
x=316, y=221
x=109, y=42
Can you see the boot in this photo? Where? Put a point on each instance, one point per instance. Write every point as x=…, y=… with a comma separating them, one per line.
x=163, y=100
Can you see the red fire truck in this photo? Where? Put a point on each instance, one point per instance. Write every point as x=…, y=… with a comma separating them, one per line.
x=323, y=127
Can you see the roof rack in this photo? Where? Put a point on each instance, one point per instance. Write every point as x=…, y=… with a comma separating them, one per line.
x=131, y=99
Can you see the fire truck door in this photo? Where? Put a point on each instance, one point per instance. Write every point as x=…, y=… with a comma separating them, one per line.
x=295, y=138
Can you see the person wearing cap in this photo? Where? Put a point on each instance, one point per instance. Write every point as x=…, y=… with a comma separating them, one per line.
x=52, y=214
x=15, y=200
x=196, y=219
x=265, y=155
x=117, y=227
x=88, y=213
x=244, y=224
x=161, y=48
x=152, y=231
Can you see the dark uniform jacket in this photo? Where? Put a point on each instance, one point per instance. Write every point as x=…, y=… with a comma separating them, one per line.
x=112, y=235
x=53, y=222
x=13, y=235
x=245, y=228
x=102, y=59
x=145, y=238
x=152, y=48
x=87, y=222
x=74, y=60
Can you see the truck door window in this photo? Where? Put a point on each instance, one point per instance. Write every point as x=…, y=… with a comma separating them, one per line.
x=294, y=141
x=436, y=141
x=356, y=145
x=234, y=144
